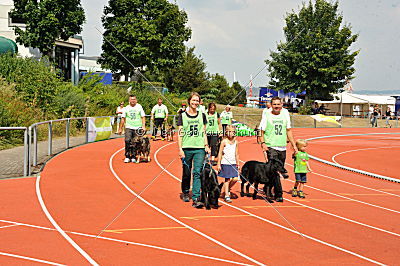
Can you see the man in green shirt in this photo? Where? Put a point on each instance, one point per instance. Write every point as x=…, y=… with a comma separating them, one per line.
x=276, y=129
x=134, y=120
x=159, y=114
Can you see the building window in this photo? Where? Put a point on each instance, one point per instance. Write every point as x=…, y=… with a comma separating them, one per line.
x=63, y=61
x=15, y=21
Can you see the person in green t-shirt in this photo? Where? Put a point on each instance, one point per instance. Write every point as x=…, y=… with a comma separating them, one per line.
x=301, y=168
x=226, y=118
x=213, y=130
x=275, y=128
x=159, y=114
x=192, y=144
x=134, y=120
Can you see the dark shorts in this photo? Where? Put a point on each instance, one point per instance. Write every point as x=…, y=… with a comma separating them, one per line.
x=301, y=177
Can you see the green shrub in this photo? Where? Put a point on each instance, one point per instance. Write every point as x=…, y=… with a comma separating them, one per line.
x=70, y=101
x=14, y=112
x=34, y=80
x=305, y=110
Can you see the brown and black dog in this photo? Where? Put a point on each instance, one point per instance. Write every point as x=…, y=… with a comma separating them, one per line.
x=170, y=132
x=141, y=148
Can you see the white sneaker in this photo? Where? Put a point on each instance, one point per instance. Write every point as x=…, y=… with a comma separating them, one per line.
x=133, y=161
x=127, y=160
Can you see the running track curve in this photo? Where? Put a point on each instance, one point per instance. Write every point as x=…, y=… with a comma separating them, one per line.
x=346, y=218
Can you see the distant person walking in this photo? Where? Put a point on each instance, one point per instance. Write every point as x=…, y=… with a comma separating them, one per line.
x=192, y=144
x=134, y=120
x=159, y=114
x=119, y=112
x=226, y=118
x=213, y=129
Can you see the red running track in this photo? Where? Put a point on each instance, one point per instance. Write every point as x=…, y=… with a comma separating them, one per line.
x=346, y=218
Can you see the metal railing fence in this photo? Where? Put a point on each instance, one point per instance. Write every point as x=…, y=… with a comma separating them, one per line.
x=26, y=147
x=40, y=144
x=306, y=121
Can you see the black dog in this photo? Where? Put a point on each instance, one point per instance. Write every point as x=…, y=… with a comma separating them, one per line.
x=141, y=148
x=209, y=187
x=254, y=172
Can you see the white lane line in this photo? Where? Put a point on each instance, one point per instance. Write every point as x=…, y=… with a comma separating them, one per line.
x=357, y=185
x=6, y=226
x=131, y=243
x=58, y=228
x=343, y=218
x=344, y=197
x=273, y=223
x=175, y=219
x=364, y=149
x=29, y=258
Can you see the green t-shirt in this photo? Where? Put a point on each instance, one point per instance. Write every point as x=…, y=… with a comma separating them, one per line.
x=300, y=163
x=159, y=111
x=133, y=116
x=226, y=118
x=212, y=123
x=275, y=130
x=192, y=131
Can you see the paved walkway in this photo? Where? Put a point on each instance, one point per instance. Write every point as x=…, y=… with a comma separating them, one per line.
x=12, y=160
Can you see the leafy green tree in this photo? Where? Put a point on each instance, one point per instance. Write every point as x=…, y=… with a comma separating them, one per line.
x=189, y=75
x=239, y=94
x=218, y=86
x=149, y=33
x=46, y=21
x=316, y=56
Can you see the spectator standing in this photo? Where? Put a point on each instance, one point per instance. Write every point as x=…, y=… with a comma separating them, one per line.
x=192, y=144
x=213, y=129
x=134, y=120
x=201, y=107
x=226, y=118
x=276, y=129
x=159, y=114
x=370, y=112
x=388, y=116
x=119, y=112
x=375, y=115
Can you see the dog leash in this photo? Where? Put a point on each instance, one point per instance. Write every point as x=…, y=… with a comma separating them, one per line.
x=266, y=200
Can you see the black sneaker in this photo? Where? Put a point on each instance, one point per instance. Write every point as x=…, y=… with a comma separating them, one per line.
x=197, y=204
x=186, y=197
x=280, y=199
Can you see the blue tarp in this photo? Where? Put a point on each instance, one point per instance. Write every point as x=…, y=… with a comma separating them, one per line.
x=266, y=94
x=106, y=77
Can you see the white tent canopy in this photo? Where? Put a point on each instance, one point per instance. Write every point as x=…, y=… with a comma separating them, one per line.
x=346, y=97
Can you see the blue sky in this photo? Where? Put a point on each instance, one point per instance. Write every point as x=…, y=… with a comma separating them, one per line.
x=237, y=35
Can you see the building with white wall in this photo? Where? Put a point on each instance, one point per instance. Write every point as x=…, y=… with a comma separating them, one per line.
x=66, y=52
